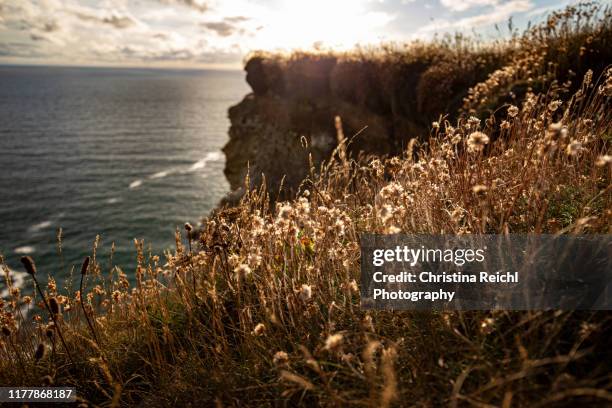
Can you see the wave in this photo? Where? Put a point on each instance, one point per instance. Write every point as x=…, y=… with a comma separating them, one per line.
x=200, y=164
x=161, y=174
x=113, y=200
x=25, y=250
x=211, y=156
x=135, y=184
x=40, y=226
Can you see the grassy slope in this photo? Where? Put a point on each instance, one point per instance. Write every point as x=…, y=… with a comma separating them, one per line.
x=262, y=306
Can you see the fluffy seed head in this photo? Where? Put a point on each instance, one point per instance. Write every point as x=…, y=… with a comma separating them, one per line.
x=604, y=160
x=242, y=271
x=333, y=341
x=280, y=358
x=306, y=293
x=477, y=141
x=259, y=329
x=513, y=111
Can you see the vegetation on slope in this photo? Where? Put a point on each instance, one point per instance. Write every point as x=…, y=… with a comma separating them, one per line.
x=261, y=307
x=391, y=94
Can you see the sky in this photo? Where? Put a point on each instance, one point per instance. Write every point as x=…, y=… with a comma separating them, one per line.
x=218, y=34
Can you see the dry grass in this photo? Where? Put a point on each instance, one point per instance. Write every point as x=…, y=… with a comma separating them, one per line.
x=262, y=308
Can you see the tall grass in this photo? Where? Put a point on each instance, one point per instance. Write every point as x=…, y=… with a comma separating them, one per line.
x=261, y=306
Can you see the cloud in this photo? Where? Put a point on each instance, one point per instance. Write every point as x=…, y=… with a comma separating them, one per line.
x=462, y=5
x=237, y=19
x=222, y=28
x=199, y=5
x=499, y=13
x=226, y=27
x=19, y=49
x=113, y=19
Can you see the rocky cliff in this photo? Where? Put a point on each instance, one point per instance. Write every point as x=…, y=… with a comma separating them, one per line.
x=395, y=93
x=296, y=100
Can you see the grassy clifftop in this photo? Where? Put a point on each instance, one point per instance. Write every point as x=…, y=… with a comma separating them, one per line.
x=261, y=307
x=391, y=94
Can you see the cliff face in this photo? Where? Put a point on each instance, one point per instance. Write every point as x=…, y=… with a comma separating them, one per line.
x=297, y=100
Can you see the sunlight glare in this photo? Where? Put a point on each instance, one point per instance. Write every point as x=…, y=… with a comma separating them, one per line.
x=339, y=24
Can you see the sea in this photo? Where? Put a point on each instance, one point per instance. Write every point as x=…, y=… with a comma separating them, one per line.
x=107, y=155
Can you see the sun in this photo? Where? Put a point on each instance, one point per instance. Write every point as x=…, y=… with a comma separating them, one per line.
x=337, y=24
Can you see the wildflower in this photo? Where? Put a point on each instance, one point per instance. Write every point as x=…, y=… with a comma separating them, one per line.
x=435, y=125
x=305, y=293
x=254, y=259
x=392, y=229
x=52, y=285
x=26, y=300
x=280, y=358
x=457, y=214
x=242, y=271
x=348, y=357
x=513, y=111
x=554, y=105
x=339, y=227
x=259, y=329
x=386, y=213
x=573, y=148
x=333, y=342
x=188, y=227
x=486, y=325
x=377, y=167
x=285, y=212
x=456, y=139
x=505, y=125
x=473, y=121
x=477, y=141
x=391, y=190
x=604, y=160
x=479, y=189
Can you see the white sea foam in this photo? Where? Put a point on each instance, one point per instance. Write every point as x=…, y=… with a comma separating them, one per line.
x=25, y=250
x=136, y=184
x=113, y=200
x=161, y=174
x=211, y=156
x=40, y=226
x=200, y=164
x=17, y=280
